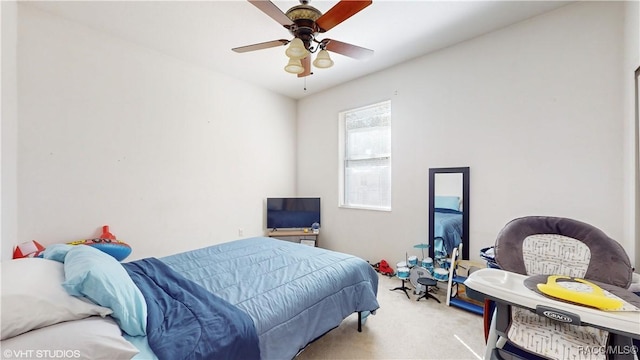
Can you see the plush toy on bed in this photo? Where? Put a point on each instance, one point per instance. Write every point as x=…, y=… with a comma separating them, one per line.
x=107, y=243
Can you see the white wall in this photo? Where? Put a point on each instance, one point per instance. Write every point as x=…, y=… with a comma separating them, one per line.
x=8, y=129
x=448, y=184
x=631, y=145
x=534, y=109
x=170, y=155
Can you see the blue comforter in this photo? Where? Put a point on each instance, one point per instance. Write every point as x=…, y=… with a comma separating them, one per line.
x=185, y=321
x=294, y=293
x=447, y=229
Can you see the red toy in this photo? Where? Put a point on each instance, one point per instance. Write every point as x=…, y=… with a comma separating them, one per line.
x=28, y=249
x=383, y=268
x=106, y=234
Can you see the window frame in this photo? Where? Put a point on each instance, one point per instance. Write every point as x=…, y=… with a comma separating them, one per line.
x=342, y=161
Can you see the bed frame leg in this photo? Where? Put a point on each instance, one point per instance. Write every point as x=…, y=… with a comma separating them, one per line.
x=359, y=321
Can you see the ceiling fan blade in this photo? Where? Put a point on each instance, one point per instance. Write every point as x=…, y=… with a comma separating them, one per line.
x=306, y=63
x=260, y=46
x=349, y=50
x=340, y=12
x=272, y=10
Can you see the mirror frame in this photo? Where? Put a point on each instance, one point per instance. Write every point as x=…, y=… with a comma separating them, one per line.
x=637, y=172
x=465, y=206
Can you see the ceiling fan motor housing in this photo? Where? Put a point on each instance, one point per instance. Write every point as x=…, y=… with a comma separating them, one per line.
x=304, y=23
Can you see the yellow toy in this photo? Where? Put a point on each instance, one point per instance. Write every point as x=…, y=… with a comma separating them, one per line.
x=596, y=298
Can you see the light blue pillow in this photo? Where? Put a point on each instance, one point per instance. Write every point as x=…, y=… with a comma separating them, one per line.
x=56, y=252
x=101, y=278
x=447, y=202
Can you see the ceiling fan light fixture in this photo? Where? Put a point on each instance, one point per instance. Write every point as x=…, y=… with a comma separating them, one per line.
x=294, y=66
x=296, y=50
x=305, y=23
x=323, y=60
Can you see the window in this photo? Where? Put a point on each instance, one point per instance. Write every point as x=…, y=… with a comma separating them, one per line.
x=365, y=157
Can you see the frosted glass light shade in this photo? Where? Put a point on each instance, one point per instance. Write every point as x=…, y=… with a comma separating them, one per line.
x=296, y=50
x=294, y=66
x=323, y=60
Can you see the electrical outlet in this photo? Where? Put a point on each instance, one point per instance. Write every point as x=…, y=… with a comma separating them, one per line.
x=240, y=232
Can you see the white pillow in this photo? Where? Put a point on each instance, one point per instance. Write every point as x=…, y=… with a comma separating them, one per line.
x=91, y=338
x=32, y=297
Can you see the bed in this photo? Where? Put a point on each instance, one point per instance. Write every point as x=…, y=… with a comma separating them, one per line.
x=251, y=298
x=447, y=231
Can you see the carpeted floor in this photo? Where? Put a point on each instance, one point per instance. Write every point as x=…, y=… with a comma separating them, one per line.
x=404, y=329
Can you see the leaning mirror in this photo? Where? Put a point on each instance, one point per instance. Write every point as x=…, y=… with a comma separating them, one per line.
x=637, y=141
x=448, y=211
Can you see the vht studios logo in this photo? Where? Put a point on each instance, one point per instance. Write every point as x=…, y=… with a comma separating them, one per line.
x=40, y=354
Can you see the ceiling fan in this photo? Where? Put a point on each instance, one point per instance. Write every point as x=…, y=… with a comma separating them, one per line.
x=305, y=22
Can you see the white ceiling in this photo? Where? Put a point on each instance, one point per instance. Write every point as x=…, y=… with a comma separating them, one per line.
x=204, y=32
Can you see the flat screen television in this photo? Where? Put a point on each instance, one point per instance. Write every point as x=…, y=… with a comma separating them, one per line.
x=292, y=213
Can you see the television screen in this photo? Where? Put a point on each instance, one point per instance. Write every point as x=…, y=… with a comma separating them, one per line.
x=288, y=213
